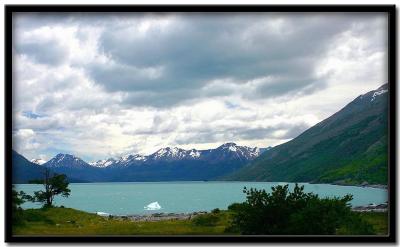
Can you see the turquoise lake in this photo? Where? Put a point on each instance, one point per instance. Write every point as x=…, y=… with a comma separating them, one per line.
x=183, y=197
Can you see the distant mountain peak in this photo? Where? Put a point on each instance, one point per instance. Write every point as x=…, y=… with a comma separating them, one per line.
x=381, y=90
x=170, y=152
x=103, y=163
x=229, y=146
x=65, y=160
x=131, y=157
x=372, y=95
x=62, y=156
x=38, y=161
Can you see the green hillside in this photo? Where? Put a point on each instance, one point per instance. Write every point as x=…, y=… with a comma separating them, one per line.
x=350, y=147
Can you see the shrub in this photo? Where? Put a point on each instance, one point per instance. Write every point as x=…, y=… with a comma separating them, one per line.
x=294, y=213
x=215, y=211
x=17, y=213
x=206, y=220
x=356, y=226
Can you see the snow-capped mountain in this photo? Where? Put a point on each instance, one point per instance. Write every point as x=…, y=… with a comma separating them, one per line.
x=227, y=151
x=66, y=160
x=230, y=152
x=241, y=152
x=374, y=94
x=127, y=160
x=166, y=164
x=38, y=161
x=174, y=154
x=103, y=163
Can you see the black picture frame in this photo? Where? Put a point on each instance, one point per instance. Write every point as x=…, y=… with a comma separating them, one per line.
x=389, y=9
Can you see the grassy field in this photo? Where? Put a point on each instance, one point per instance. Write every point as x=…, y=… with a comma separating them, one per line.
x=379, y=221
x=66, y=221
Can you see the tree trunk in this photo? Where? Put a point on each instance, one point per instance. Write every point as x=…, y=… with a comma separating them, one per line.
x=47, y=187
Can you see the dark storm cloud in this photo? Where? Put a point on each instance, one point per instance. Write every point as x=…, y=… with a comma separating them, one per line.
x=189, y=51
x=167, y=59
x=160, y=99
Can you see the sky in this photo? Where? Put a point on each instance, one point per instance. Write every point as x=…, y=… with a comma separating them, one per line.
x=107, y=85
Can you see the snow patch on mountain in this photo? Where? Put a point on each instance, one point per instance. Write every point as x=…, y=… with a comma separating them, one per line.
x=103, y=163
x=171, y=153
x=194, y=153
x=376, y=93
x=38, y=161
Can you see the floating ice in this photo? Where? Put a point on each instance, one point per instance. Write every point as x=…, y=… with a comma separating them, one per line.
x=102, y=214
x=153, y=206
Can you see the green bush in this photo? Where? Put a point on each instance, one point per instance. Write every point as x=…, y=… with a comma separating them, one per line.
x=234, y=206
x=294, y=213
x=215, y=211
x=356, y=226
x=206, y=220
x=17, y=212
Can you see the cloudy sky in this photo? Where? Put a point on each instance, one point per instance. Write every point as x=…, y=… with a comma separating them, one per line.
x=102, y=85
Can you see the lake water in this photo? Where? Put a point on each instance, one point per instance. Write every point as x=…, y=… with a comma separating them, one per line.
x=183, y=197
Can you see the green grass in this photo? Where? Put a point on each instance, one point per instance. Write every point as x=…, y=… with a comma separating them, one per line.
x=379, y=222
x=67, y=221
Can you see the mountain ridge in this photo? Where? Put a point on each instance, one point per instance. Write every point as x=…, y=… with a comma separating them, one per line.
x=166, y=164
x=165, y=154
x=349, y=147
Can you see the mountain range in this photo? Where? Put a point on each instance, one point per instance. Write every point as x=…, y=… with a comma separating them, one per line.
x=167, y=164
x=349, y=147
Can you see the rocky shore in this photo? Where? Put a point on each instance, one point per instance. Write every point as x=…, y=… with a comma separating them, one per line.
x=364, y=184
x=187, y=216
x=371, y=208
x=156, y=216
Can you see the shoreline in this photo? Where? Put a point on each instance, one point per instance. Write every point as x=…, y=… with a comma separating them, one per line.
x=155, y=217
x=383, y=207
x=339, y=183
x=376, y=186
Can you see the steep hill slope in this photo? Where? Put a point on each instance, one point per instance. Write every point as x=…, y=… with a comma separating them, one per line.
x=349, y=147
x=23, y=170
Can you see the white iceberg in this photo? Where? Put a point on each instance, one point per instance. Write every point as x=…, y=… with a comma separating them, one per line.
x=102, y=214
x=153, y=206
